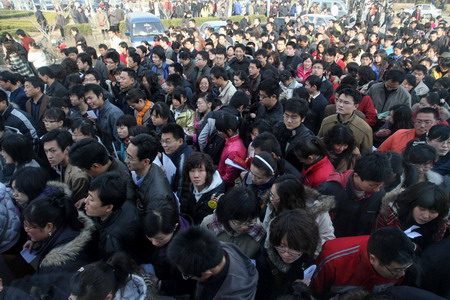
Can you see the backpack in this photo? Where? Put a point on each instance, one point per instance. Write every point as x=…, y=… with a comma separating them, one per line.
x=215, y=146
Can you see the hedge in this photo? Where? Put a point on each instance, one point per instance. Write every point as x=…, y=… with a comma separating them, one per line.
x=8, y=14
x=26, y=22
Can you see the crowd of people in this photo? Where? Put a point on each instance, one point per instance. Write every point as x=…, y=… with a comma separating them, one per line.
x=255, y=162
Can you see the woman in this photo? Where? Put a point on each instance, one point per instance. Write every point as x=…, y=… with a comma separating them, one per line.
x=55, y=118
x=255, y=129
x=202, y=86
x=161, y=115
x=433, y=100
x=240, y=81
x=262, y=174
x=287, y=253
x=405, y=174
x=37, y=56
x=400, y=117
x=205, y=186
x=340, y=143
x=320, y=50
x=116, y=278
x=305, y=69
x=161, y=223
x=228, y=127
x=273, y=58
x=205, y=104
x=18, y=151
x=236, y=220
x=102, y=21
x=439, y=138
x=58, y=236
x=380, y=62
x=14, y=62
x=30, y=183
x=315, y=159
x=410, y=84
x=421, y=209
x=183, y=114
x=123, y=125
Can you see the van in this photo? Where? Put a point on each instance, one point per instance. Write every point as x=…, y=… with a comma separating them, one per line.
x=142, y=27
x=326, y=4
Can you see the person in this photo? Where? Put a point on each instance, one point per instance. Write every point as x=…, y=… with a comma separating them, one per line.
x=56, y=144
x=236, y=220
x=346, y=105
x=18, y=151
x=10, y=82
x=161, y=223
x=372, y=263
x=175, y=147
x=221, y=269
x=37, y=56
x=358, y=194
x=53, y=87
x=15, y=62
x=425, y=118
x=317, y=167
x=219, y=77
x=25, y=39
x=287, y=253
x=116, y=220
x=288, y=84
x=124, y=124
x=205, y=104
x=55, y=118
x=228, y=126
x=141, y=152
x=317, y=102
x=30, y=183
x=438, y=137
x=423, y=205
x=205, y=186
x=59, y=236
x=261, y=175
x=183, y=114
x=37, y=102
x=269, y=107
x=400, y=117
x=390, y=92
x=239, y=62
x=10, y=222
x=341, y=146
x=434, y=100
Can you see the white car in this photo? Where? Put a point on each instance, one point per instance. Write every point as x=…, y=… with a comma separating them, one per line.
x=213, y=24
x=426, y=9
x=317, y=19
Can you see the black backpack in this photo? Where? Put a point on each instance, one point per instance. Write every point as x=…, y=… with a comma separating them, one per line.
x=215, y=146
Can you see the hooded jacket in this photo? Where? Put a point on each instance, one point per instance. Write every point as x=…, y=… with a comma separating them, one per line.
x=10, y=222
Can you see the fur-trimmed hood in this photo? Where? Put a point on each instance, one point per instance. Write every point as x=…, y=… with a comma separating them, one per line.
x=69, y=252
x=317, y=203
x=389, y=199
x=56, y=185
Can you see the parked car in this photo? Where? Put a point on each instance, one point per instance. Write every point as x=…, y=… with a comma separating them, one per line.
x=142, y=27
x=426, y=9
x=214, y=24
x=317, y=19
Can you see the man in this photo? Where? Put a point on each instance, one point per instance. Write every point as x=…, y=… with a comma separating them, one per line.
x=390, y=92
x=79, y=105
x=115, y=40
x=116, y=220
x=17, y=120
x=269, y=108
x=367, y=60
x=358, y=194
x=106, y=114
x=201, y=67
x=330, y=58
x=150, y=180
x=219, y=77
x=10, y=82
x=53, y=88
x=175, y=147
x=420, y=71
x=281, y=46
x=346, y=105
x=239, y=62
x=221, y=269
x=220, y=59
x=320, y=68
x=97, y=63
x=187, y=62
x=145, y=60
x=290, y=60
x=426, y=118
x=133, y=62
x=84, y=63
x=112, y=59
x=254, y=80
x=292, y=130
x=128, y=80
x=372, y=263
x=164, y=42
x=317, y=102
x=189, y=44
x=56, y=145
x=36, y=105
x=261, y=55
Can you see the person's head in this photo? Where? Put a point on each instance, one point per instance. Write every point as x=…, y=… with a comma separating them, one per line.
x=112, y=60
x=56, y=145
x=179, y=98
x=89, y=155
x=172, y=137
x=17, y=149
x=128, y=78
x=309, y=151
x=432, y=99
x=439, y=138
x=371, y=171
x=28, y=183
x=199, y=169
x=93, y=94
x=319, y=67
x=205, y=103
x=238, y=210
x=269, y=91
x=46, y=74
x=240, y=79
x=160, y=114
x=340, y=140
x=203, y=84
x=409, y=83
x=107, y=193
x=419, y=71
x=295, y=111
x=141, y=152
x=44, y=216
x=227, y=124
x=287, y=193
x=393, y=79
x=263, y=168
x=173, y=81
x=347, y=102
x=421, y=156
x=201, y=60
x=102, y=279
x=82, y=129
x=294, y=233
x=219, y=76
x=254, y=67
x=54, y=118
x=136, y=99
x=313, y=84
x=91, y=76
x=426, y=118
x=390, y=252
x=196, y=252
x=84, y=61
x=267, y=142
x=161, y=221
x=33, y=87
x=239, y=52
x=123, y=125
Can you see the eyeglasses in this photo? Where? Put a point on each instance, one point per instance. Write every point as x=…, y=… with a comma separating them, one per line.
x=426, y=122
x=294, y=253
x=129, y=158
x=242, y=224
x=397, y=271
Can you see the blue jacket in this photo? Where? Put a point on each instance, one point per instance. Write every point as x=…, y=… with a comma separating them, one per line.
x=9, y=221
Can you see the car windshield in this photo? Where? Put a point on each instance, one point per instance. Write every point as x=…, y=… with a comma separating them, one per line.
x=147, y=29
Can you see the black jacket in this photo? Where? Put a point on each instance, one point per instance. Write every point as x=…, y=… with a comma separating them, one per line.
x=56, y=89
x=289, y=138
x=242, y=65
x=17, y=120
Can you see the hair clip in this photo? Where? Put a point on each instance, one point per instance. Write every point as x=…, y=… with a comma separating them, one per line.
x=442, y=101
x=81, y=269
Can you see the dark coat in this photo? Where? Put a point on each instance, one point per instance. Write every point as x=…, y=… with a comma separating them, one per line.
x=155, y=186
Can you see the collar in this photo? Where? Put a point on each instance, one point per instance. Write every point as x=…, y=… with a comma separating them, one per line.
x=256, y=232
x=348, y=120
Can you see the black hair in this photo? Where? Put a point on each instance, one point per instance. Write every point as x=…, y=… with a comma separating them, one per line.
x=85, y=127
x=46, y=71
x=374, y=167
x=298, y=106
x=366, y=75
x=352, y=93
x=114, y=56
x=270, y=87
x=161, y=216
x=205, y=251
x=395, y=76
x=36, y=82
x=314, y=80
x=147, y=146
x=175, y=129
x=267, y=142
x=77, y=90
x=126, y=120
x=85, y=58
x=218, y=72
x=313, y=146
x=95, y=88
x=19, y=147
x=440, y=132
x=162, y=110
x=340, y=134
x=429, y=110
x=390, y=244
x=401, y=117
x=62, y=137
x=417, y=152
x=111, y=189
x=85, y=153
x=30, y=181
x=261, y=125
x=260, y=160
x=291, y=192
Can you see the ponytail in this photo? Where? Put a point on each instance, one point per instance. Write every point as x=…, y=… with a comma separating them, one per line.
x=313, y=146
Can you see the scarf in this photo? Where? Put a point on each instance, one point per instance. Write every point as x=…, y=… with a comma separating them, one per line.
x=141, y=114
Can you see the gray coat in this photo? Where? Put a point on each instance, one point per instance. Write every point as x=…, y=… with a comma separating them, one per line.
x=9, y=221
x=377, y=93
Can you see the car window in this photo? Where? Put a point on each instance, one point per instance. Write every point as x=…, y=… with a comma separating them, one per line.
x=147, y=28
x=425, y=7
x=320, y=21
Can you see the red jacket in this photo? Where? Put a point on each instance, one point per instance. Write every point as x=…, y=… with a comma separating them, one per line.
x=235, y=150
x=318, y=172
x=343, y=265
x=26, y=42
